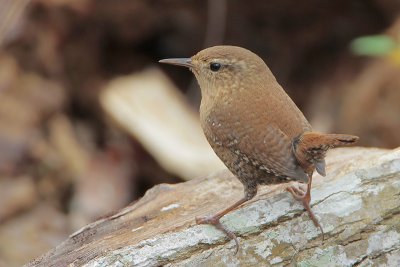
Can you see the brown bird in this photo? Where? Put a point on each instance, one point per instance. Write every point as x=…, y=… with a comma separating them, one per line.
x=254, y=127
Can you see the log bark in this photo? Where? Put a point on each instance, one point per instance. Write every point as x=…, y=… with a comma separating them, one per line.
x=358, y=204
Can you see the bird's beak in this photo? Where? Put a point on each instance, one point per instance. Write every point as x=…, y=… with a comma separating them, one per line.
x=185, y=62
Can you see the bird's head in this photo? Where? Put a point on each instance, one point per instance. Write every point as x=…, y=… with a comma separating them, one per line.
x=224, y=68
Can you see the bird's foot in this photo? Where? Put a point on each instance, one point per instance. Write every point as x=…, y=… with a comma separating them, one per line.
x=298, y=191
x=301, y=194
x=214, y=220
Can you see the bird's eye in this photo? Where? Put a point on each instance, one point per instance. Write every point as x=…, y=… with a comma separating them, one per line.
x=215, y=66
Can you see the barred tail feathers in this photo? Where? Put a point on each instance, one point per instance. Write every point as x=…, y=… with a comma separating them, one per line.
x=310, y=148
x=339, y=140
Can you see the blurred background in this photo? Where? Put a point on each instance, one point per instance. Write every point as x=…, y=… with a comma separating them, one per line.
x=89, y=120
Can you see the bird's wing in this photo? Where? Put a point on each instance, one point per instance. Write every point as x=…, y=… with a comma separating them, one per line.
x=270, y=149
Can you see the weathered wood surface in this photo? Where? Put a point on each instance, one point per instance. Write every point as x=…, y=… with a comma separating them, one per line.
x=358, y=204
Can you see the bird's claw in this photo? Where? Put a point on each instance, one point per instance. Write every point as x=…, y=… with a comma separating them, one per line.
x=207, y=220
x=213, y=220
x=297, y=191
x=301, y=195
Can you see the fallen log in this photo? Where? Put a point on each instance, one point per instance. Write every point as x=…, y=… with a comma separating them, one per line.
x=358, y=204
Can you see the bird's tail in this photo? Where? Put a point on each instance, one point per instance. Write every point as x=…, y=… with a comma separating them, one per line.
x=314, y=140
x=338, y=140
x=310, y=148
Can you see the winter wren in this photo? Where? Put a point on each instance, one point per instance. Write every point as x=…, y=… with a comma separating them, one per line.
x=254, y=127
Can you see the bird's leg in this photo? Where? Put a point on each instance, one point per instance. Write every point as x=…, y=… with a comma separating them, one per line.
x=305, y=197
x=214, y=219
